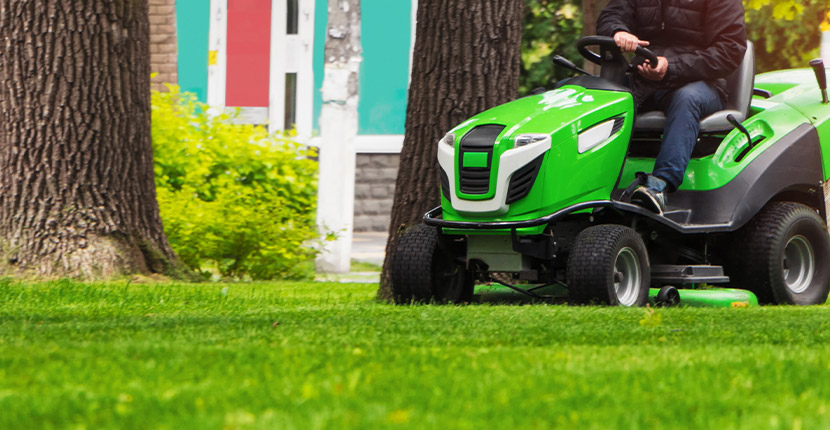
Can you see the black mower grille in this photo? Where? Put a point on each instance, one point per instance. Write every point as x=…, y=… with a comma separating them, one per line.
x=476, y=180
x=618, y=124
x=445, y=184
x=522, y=181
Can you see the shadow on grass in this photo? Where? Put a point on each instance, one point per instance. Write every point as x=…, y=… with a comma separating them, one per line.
x=501, y=295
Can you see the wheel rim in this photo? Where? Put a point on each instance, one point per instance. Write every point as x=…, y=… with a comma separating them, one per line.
x=627, y=277
x=798, y=264
x=449, y=279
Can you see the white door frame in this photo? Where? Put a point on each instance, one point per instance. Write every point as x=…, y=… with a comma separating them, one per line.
x=288, y=54
x=217, y=54
x=292, y=54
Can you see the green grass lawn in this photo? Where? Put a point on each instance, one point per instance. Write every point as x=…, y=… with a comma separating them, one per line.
x=323, y=355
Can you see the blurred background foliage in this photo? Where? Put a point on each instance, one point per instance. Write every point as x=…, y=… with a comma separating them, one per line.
x=786, y=34
x=236, y=201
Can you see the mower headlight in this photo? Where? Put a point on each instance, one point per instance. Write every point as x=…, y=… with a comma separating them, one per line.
x=449, y=140
x=527, y=139
x=599, y=134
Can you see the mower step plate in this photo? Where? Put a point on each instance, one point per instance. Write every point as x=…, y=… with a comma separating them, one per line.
x=680, y=216
x=685, y=275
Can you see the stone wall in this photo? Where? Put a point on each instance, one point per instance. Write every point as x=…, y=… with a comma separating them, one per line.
x=374, y=191
x=163, y=51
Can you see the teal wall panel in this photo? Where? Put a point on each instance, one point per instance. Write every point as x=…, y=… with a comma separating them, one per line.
x=193, y=24
x=384, y=75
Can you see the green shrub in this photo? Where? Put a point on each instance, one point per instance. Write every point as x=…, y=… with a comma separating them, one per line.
x=233, y=198
x=550, y=27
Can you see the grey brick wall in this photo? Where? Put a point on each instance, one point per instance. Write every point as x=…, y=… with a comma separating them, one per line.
x=374, y=191
x=163, y=51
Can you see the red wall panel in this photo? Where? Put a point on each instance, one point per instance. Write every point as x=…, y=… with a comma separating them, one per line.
x=249, y=53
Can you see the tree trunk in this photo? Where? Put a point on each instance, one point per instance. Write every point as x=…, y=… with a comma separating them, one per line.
x=467, y=59
x=338, y=130
x=77, y=196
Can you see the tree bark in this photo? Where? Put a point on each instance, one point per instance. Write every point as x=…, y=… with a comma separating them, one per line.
x=467, y=59
x=77, y=195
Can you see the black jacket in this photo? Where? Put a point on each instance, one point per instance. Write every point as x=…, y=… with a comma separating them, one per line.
x=703, y=40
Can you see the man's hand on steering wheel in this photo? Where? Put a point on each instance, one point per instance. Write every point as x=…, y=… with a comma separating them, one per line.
x=628, y=42
x=654, y=72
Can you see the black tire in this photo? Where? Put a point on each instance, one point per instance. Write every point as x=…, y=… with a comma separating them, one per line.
x=424, y=272
x=609, y=264
x=667, y=297
x=783, y=256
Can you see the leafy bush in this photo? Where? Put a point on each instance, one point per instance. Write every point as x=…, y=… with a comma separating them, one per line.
x=550, y=26
x=786, y=33
x=233, y=198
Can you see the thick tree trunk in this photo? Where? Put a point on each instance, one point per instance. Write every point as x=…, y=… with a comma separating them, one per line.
x=77, y=196
x=467, y=59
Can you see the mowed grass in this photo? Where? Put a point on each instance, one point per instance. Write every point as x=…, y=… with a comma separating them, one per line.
x=322, y=355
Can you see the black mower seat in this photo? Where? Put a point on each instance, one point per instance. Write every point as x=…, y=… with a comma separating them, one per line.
x=740, y=84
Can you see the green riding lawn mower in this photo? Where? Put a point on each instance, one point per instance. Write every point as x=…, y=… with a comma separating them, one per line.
x=532, y=197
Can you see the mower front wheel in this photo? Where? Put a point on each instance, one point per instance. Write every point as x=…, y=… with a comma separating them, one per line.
x=422, y=271
x=609, y=265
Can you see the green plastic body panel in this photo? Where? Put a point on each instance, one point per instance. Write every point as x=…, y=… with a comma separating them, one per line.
x=566, y=177
x=712, y=298
x=773, y=121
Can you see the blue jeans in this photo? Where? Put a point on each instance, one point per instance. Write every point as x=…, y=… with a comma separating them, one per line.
x=684, y=107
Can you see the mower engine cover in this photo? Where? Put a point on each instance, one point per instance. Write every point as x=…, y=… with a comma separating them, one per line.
x=532, y=156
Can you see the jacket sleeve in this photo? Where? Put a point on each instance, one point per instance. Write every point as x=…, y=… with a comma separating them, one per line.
x=725, y=20
x=617, y=16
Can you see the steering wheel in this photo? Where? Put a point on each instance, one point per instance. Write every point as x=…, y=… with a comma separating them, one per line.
x=609, y=47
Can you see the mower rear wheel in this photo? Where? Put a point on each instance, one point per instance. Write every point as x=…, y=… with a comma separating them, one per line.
x=424, y=272
x=783, y=256
x=609, y=264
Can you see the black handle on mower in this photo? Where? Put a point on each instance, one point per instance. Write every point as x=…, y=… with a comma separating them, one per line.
x=821, y=77
x=564, y=62
x=609, y=42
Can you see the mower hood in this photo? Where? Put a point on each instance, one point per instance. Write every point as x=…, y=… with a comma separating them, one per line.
x=536, y=154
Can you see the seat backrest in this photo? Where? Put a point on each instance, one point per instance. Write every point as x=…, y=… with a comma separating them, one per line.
x=741, y=82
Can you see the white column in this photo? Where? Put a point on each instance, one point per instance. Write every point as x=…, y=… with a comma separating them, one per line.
x=217, y=54
x=335, y=197
x=338, y=131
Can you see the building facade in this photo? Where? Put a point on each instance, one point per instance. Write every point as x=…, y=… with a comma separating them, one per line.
x=266, y=58
x=163, y=49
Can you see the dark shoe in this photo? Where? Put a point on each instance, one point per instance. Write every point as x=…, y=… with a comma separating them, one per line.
x=652, y=200
x=640, y=179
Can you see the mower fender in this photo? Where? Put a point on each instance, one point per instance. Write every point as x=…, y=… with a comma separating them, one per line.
x=791, y=165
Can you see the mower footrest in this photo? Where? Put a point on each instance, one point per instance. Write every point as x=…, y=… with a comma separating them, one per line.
x=681, y=274
x=680, y=216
